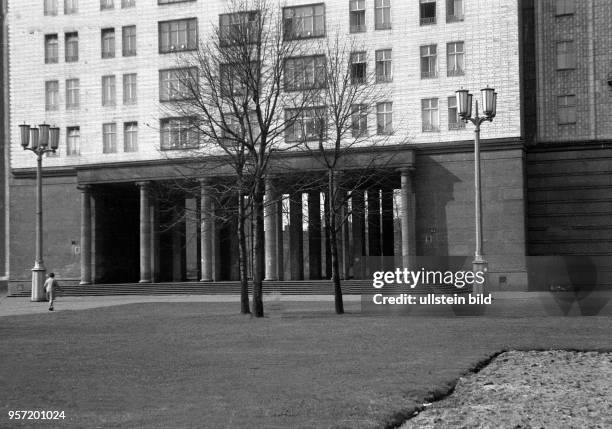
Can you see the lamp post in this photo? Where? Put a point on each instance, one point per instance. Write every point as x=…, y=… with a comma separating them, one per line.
x=464, y=106
x=40, y=141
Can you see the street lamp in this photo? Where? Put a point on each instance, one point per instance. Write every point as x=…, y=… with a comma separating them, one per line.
x=464, y=106
x=40, y=141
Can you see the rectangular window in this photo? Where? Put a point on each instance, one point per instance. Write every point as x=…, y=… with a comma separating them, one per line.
x=239, y=28
x=566, y=56
x=50, y=7
x=427, y=12
x=71, y=6
x=130, y=137
x=178, y=35
x=177, y=133
x=454, y=59
x=72, y=47
x=454, y=122
x=128, y=34
x=382, y=14
x=565, y=7
x=109, y=90
x=304, y=21
x=128, y=3
x=358, y=67
x=108, y=42
x=51, y=48
x=177, y=84
x=384, y=118
x=73, y=140
x=429, y=113
x=109, y=138
x=306, y=125
x=172, y=1
x=429, y=62
x=129, y=88
x=566, y=109
x=359, y=120
x=454, y=10
x=357, y=16
x=107, y=4
x=383, y=66
x=305, y=73
x=72, y=94
x=51, y=95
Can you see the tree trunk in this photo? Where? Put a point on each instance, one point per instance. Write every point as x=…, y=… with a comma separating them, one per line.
x=244, y=275
x=258, y=208
x=331, y=224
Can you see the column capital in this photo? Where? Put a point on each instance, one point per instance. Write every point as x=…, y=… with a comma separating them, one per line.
x=144, y=184
x=84, y=188
x=406, y=170
x=205, y=181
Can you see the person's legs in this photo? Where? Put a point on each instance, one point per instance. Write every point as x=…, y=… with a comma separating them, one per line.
x=50, y=300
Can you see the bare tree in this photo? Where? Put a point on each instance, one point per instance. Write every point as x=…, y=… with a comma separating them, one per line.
x=230, y=90
x=338, y=128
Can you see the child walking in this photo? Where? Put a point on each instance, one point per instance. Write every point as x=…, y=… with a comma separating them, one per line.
x=51, y=287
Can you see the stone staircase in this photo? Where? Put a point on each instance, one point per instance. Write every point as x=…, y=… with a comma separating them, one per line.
x=304, y=287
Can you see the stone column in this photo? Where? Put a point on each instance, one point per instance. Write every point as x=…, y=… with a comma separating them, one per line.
x=145, y=232
x=85, y=234
x=154, y=208
x=296, y=242
x=270, y=238
x=206, y=231
x=346, y=244
x=280, y=259
x=314, y=235
x=388, y=238
x=358, y=221
x=407, y=219
x=374, y=242
x=328, y=258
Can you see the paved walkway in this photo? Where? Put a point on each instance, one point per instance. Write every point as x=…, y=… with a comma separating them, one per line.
x=16, y=306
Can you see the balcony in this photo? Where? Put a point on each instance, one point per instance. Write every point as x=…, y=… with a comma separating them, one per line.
x=358, y=28
x=430, y=128
x=456, y=125
x=429, y=20
x=429, y=74
x=455, y=72
x=454, y=18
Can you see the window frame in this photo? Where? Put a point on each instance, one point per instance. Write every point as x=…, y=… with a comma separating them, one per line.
x=358, y=61
x=384, y=114
x=130, y=137
x=73, y=93
x=386, y=63
x=179, y=119
x=128, y=37
x=568, y=54
x=48, y=58
x=429, y=74
x=109, y=90
x=108, y=48
x=73, y=142
x=192, y=71
x=564, y=109
x=318, y=62
x=51, y=103
x=359, y=120
x=173, y=48
x=451, y=11
x=133, y=88
x=430, y=20
x=71, y=7
x=293, y=35
x=379, y=7
x=307, y=121
x=71, y=45
x=434, y=125
x=225, y=29
x=125, y=4
x=50, y=8
x=109, y=130
x=107, y=4
x=458, y=71
x=458, y=124
x=356, y=11
x=565, y=7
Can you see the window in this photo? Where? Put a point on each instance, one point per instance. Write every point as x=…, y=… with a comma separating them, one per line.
x=128, y=34
x=50, y=7
x=108, y=43
x=171, y=1
x=382, y=14
x=384, y=118
x=454, y=59
x=564, y=7
x=51, y=47
x=236, y=78
x=108, y=90
x=357, y=16
x=51, y=95
x=73, y=140
x=428, y=62
x=129, y=88
x=358, y=67
x=71, y=6
x=304, y=21
x=128, y=3
x=178, y=35
x=307, y=125
x=72, y=47
x=359, y=120
x=454, y=122
x=454, y=10
x=566, y=109
x=566, y=57
x=427, y=12
x=176, y=84
x=305, y=73
x=429, y=113
x=107, y=4
x=239, y=28
x=383, y=66
x=72, y=94
x=130, y=137
x=109, y=138
x=176, y=133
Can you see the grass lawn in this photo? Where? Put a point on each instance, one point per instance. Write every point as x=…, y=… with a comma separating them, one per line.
x=176, y=365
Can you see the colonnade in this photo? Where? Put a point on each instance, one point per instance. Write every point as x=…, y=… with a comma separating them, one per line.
x=371, y=231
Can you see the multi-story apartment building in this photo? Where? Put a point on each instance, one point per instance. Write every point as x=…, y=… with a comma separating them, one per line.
x=97, y=70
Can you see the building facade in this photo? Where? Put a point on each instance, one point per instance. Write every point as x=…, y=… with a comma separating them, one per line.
x=99, y=71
